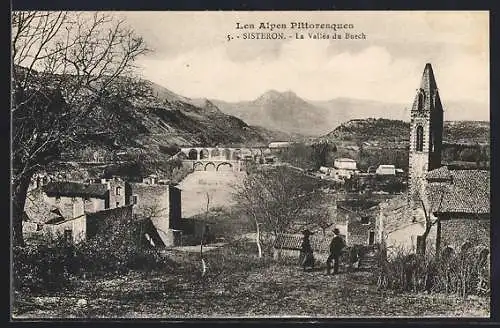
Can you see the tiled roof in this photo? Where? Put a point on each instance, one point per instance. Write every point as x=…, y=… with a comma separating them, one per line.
x=288, y=241
x=467, y=191
x=75, y=189
x=319, y=243
x=440, y=174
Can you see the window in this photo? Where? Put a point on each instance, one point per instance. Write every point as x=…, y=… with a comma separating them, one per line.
x=134, y=199
x=117, y=204
x=118, y=191
x=371, y=238
x=421, y=100
x=420, y=138
x=365, y=220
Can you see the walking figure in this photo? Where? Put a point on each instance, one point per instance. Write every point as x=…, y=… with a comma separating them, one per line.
x=336, y=247
x=307, y=251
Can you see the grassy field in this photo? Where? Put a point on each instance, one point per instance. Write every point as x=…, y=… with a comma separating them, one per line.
x=238, y=285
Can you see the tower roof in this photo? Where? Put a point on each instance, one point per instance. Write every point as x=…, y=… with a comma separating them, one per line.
x=428, y=82
x=427, y=98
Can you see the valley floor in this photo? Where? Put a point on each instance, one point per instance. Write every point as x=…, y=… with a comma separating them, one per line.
x=238, y=287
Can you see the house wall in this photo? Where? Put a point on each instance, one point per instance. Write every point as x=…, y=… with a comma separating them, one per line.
x=78, y=227
x=358, y=233
x=404, y=238
x=154, y=198
x=175, y=211
x=457, y=230
x=95, y=205
x=98, y=221
x=116, y=192
x=71, y=207
x=344, y=165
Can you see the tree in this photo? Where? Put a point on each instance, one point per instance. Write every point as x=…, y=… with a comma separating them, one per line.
x=419, y=198
x=275, y=198
x=72, y=73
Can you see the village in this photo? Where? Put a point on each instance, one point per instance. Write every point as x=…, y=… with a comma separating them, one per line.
x=223, y=226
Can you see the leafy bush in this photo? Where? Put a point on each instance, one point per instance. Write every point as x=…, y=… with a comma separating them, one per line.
x=50, y=265
x=42, y=267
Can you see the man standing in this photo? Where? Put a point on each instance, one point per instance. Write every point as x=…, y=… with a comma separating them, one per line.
x=336, y=247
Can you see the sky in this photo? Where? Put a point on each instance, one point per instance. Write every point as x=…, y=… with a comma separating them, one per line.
x=192, y=57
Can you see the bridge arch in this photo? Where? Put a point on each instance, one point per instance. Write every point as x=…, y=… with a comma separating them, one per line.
x=210, y=166
x=225, y=166
x=204, y=154
x=215, y=152
x=198, y=166
x=193, y=154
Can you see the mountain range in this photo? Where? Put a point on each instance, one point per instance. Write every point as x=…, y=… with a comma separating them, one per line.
x=287, y=112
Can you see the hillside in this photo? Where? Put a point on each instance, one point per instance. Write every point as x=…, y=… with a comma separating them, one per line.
x=384, y=131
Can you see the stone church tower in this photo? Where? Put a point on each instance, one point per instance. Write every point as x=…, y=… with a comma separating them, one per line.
x=426, y=133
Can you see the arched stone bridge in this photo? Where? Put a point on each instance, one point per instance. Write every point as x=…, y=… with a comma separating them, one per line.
x=218, y=159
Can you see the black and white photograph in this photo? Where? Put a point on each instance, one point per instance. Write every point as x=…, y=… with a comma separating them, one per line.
x=177, y=165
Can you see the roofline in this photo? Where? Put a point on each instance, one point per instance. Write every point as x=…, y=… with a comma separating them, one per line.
x=68, y=220
x=462, y=213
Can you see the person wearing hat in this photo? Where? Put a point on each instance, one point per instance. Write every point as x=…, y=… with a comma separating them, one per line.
x=336, y=246
x=307, y=251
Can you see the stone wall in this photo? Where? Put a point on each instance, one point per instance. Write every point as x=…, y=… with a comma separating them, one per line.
x=98, y=220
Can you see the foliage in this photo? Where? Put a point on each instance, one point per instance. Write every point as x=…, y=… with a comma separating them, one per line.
x=277, y=196
x=308, y=156
x=144, y=164
x=51, y=264
x=442, y=273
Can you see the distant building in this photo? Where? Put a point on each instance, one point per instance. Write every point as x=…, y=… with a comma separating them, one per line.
x=386, y=170
x=279, y=145
x=345, y=163
x=344, y=168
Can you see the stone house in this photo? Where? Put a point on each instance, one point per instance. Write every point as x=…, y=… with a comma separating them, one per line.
x=96, y=196
x=459, y=201
x=162, y=205
x=65, y=218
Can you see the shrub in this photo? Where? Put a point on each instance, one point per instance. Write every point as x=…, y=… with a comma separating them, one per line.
x=43, y=267
x=451, y=273
x=50, y=265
